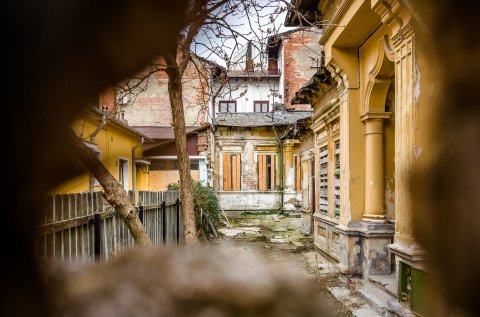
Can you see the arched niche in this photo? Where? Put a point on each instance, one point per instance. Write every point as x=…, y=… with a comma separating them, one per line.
x=379, y=79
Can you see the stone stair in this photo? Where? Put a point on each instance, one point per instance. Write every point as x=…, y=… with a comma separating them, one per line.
x=372, y=297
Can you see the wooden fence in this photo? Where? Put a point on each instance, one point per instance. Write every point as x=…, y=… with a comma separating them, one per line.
x=85, y=227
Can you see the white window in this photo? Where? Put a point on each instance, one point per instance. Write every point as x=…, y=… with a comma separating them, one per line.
x=227, y=106
x=123, y=172
x=93, y=180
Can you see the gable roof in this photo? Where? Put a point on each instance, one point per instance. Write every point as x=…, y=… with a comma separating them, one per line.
x=163, y=133
x=98, y=114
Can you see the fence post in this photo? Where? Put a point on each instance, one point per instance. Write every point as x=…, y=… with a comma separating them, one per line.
x=164, y=222
x=177, y=208
x=97, y=238
x=140, y=214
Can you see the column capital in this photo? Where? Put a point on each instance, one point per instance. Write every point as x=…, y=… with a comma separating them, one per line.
x=288, y=143
x=375, y=115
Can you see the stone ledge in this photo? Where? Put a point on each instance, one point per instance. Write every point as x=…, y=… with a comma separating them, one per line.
x=412, y=256
x=325, y=219
x=367, y=229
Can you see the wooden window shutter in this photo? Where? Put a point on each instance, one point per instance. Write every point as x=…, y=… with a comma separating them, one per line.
x=297, y=174
x=232, y=171
x=273, y=168
x=266, y=171
x=227, y=175
x=262, y=179
x=236, y=171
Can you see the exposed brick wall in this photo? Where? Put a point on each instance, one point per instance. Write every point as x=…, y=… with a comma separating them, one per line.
x=106, y=100
x=202, y=142
x=249, y=182
x=301, y=50
x=152, y=106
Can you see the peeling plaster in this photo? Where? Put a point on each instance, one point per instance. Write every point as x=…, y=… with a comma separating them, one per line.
x=418, y=152
x=416, y=80
x=390, y=197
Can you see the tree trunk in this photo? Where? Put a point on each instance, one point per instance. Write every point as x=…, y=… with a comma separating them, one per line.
x=113, y=192
x=175, y=93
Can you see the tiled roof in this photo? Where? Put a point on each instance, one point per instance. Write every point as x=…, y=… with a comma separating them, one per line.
x=254, y=74
x=260, y=119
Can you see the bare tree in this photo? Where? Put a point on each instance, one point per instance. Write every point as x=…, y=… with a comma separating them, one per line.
x=113, y=192
x=216, y=30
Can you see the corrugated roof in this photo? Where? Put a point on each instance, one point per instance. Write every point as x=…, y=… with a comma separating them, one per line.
x=260, y=119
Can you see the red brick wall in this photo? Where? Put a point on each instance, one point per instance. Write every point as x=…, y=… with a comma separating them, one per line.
x=299, y=49
x=107, y=99
x=152, y=107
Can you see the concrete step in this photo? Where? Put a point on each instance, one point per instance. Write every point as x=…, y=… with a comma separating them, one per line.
x=365, y=311
x=376, y=297
x=354, y=303
x=388, y=282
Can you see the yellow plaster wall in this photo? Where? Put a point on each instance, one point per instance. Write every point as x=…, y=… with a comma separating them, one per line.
x=142, y=177
x=159, y=180
x=389, y=149
x=113, y=143
x=352, y=160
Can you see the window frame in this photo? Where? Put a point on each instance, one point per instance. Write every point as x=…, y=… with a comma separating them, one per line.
x=228, y=103
x=260, y=103
x=232, y=171
x=124, y=173
x=268, y=181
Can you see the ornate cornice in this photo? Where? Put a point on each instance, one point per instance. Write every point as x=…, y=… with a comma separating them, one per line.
x=403, y=34
x=333, y=22
x=375, y=115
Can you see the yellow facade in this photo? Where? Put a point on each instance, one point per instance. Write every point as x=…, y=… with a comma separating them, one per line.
x=159, y=180
x=377, y=109
x=114, y=143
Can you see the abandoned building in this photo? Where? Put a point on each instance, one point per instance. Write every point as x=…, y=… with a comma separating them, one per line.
x=144, y=103
x=368, y=99
x=254, y=132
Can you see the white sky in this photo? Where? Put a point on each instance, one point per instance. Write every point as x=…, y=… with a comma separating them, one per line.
x=256, y=26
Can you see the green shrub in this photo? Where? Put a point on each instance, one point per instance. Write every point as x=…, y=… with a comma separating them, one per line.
x=206, y=203
x=173, y=186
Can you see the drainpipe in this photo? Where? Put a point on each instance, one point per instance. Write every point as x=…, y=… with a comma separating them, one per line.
x=280, y=145
x=92, y=139
x=99, y=128
x=134, y=170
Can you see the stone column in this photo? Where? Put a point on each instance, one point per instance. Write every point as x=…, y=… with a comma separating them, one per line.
x=289, y=169
x=374, y=166
x=289, y=194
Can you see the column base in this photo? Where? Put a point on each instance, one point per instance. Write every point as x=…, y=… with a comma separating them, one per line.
x=375, y=218
x=363, y=247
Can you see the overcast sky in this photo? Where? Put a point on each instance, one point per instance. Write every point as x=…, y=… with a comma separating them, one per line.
x=256, y=26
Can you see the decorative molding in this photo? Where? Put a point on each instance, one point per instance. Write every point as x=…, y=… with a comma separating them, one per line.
x=322, y=137
x=375, y=115
x=337, y=74
x=380, y=78
x=389, y=51
x=413, y=256
x=389, y=12
x=331, y=107
x=333, y=21
x=231, y=145
x=403, y=33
